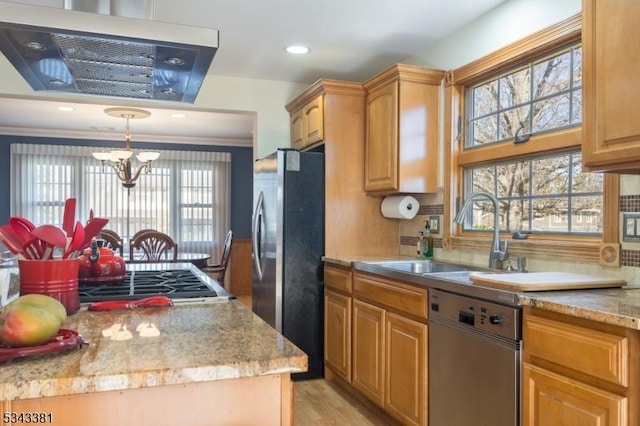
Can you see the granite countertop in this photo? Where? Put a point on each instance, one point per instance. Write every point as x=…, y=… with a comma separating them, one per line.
x=190, y=342
x=616, y=306
x=619, y=307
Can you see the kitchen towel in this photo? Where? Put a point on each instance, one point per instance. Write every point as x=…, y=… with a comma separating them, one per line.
x=400, y=207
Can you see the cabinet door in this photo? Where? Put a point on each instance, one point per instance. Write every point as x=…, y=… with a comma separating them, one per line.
x=611, y=64
x=296, y=130
x=550, y=399
x=368, y=350
x=406, y=369
x=381, y=139
x=314, y=121
x=337, y=334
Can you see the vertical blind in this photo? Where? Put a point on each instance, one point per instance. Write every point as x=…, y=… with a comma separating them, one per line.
x=186, y=194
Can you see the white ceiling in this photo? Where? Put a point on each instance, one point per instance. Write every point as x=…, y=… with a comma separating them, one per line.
x=349, y=40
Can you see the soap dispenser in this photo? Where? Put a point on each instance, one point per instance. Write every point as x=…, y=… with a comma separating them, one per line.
x=420, y=245
x=428, y=241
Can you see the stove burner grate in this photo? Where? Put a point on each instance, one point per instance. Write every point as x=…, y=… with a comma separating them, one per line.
x=138, y=284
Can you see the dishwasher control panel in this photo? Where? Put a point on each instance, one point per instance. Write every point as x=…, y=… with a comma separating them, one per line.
x=476, y=313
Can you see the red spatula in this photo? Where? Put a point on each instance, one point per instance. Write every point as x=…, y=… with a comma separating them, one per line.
x=69, y=216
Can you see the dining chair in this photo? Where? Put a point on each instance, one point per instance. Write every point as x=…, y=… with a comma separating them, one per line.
x=221, y=268
x=113, y=241
x=152, y=246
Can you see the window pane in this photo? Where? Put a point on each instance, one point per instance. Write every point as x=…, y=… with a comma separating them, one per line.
x=515, y=88
x=483, y=179
x=586, y=214
x=511, y=120
x=577, y=66
x=552, y=113
x=550, y=215
x=576, y=110
x=546, y=194
x=517, y=214
x=485, y=130
x=551, y=175
x=485, y=99
x=552, y=76
x=513, y=179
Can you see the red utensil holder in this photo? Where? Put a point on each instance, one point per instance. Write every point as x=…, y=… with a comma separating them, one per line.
x=57, y=278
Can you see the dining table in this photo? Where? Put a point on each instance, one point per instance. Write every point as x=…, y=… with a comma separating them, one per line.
x=197, y=259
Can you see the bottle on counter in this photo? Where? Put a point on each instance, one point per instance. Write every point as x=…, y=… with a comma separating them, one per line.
x=420, y=245
x=428, y=241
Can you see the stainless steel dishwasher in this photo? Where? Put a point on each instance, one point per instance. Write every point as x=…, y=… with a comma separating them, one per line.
x=474, y=361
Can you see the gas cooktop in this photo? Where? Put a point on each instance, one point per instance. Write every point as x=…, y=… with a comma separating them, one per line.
x=173, y=283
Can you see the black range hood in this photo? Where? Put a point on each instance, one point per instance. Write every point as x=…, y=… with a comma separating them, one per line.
x=69, y=51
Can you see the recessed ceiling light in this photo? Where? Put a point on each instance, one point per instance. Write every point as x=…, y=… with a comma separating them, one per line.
x=64, y=108
x=297, y=50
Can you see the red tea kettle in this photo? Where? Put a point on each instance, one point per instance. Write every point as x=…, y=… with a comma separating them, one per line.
x=101, y=265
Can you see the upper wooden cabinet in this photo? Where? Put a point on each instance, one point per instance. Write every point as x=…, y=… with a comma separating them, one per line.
x=611, y=66
x=307, y=123
x=401, y=132
x=348, y=218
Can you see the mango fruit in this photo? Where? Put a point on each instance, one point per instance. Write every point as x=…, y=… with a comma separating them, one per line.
x=29, y=322
x=46, y=302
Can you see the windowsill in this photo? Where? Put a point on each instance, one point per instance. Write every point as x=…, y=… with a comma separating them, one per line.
x=581, y=250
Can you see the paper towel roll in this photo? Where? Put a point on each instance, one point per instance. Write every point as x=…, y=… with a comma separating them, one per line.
x=400, y=207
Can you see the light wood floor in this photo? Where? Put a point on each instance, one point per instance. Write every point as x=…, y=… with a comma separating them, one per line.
x=320, y=403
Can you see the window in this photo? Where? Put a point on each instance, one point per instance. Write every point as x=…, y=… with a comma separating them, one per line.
x=186, y=194
x=519, y=138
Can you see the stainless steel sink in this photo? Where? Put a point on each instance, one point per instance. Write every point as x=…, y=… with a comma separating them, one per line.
x=420, y=266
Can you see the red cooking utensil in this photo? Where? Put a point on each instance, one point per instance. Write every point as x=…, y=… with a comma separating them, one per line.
x=33, y=249
x=76, y=241
x=10, y=239
x=51, y=235
x=22, y=228
x=92, y=229
x=68, y=217
x=147, y=302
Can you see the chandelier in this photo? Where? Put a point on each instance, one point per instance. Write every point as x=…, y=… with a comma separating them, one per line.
x=120, y=159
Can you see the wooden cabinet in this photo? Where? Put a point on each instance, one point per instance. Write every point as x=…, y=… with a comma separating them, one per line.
x=611, y=65
x=307, y=123
x=348, y=219
x=337, y=321
x=406, y=369
x=390, y=338
x=578, y=371
x=368, y=350
x=401, y=130
x=553, y=399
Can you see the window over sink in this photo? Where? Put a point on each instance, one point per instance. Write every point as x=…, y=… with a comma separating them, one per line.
x=518, y=137
x=186, y=194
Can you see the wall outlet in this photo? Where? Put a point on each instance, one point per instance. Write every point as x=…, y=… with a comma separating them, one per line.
x=434, y=224
x=631, y=227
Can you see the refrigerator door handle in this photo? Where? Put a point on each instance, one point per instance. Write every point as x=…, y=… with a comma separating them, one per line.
x=257, y=235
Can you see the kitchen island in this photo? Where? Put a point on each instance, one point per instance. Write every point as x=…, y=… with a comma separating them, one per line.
x=196, y=363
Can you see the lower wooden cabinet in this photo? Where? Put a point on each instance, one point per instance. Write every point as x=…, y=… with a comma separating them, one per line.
x=552, y=399
x=368, y=350
x=337, y=334
x=578, y=372
x=406, y=369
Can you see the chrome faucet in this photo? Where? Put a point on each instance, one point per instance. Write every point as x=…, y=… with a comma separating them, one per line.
x=496, y=255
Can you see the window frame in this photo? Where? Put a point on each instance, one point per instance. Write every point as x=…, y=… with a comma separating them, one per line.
x=539, y=44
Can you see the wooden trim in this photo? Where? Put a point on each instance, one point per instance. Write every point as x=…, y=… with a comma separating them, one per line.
x=238, y=279
x=556, y=142
x=324, y=86
x=546, y=40
x=406, y=73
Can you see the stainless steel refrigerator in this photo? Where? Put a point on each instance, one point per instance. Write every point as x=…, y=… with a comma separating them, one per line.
x=288, y=244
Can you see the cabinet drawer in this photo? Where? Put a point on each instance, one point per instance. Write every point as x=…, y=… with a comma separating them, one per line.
x=392, y=294
x=338, y=278
x=593, y=352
